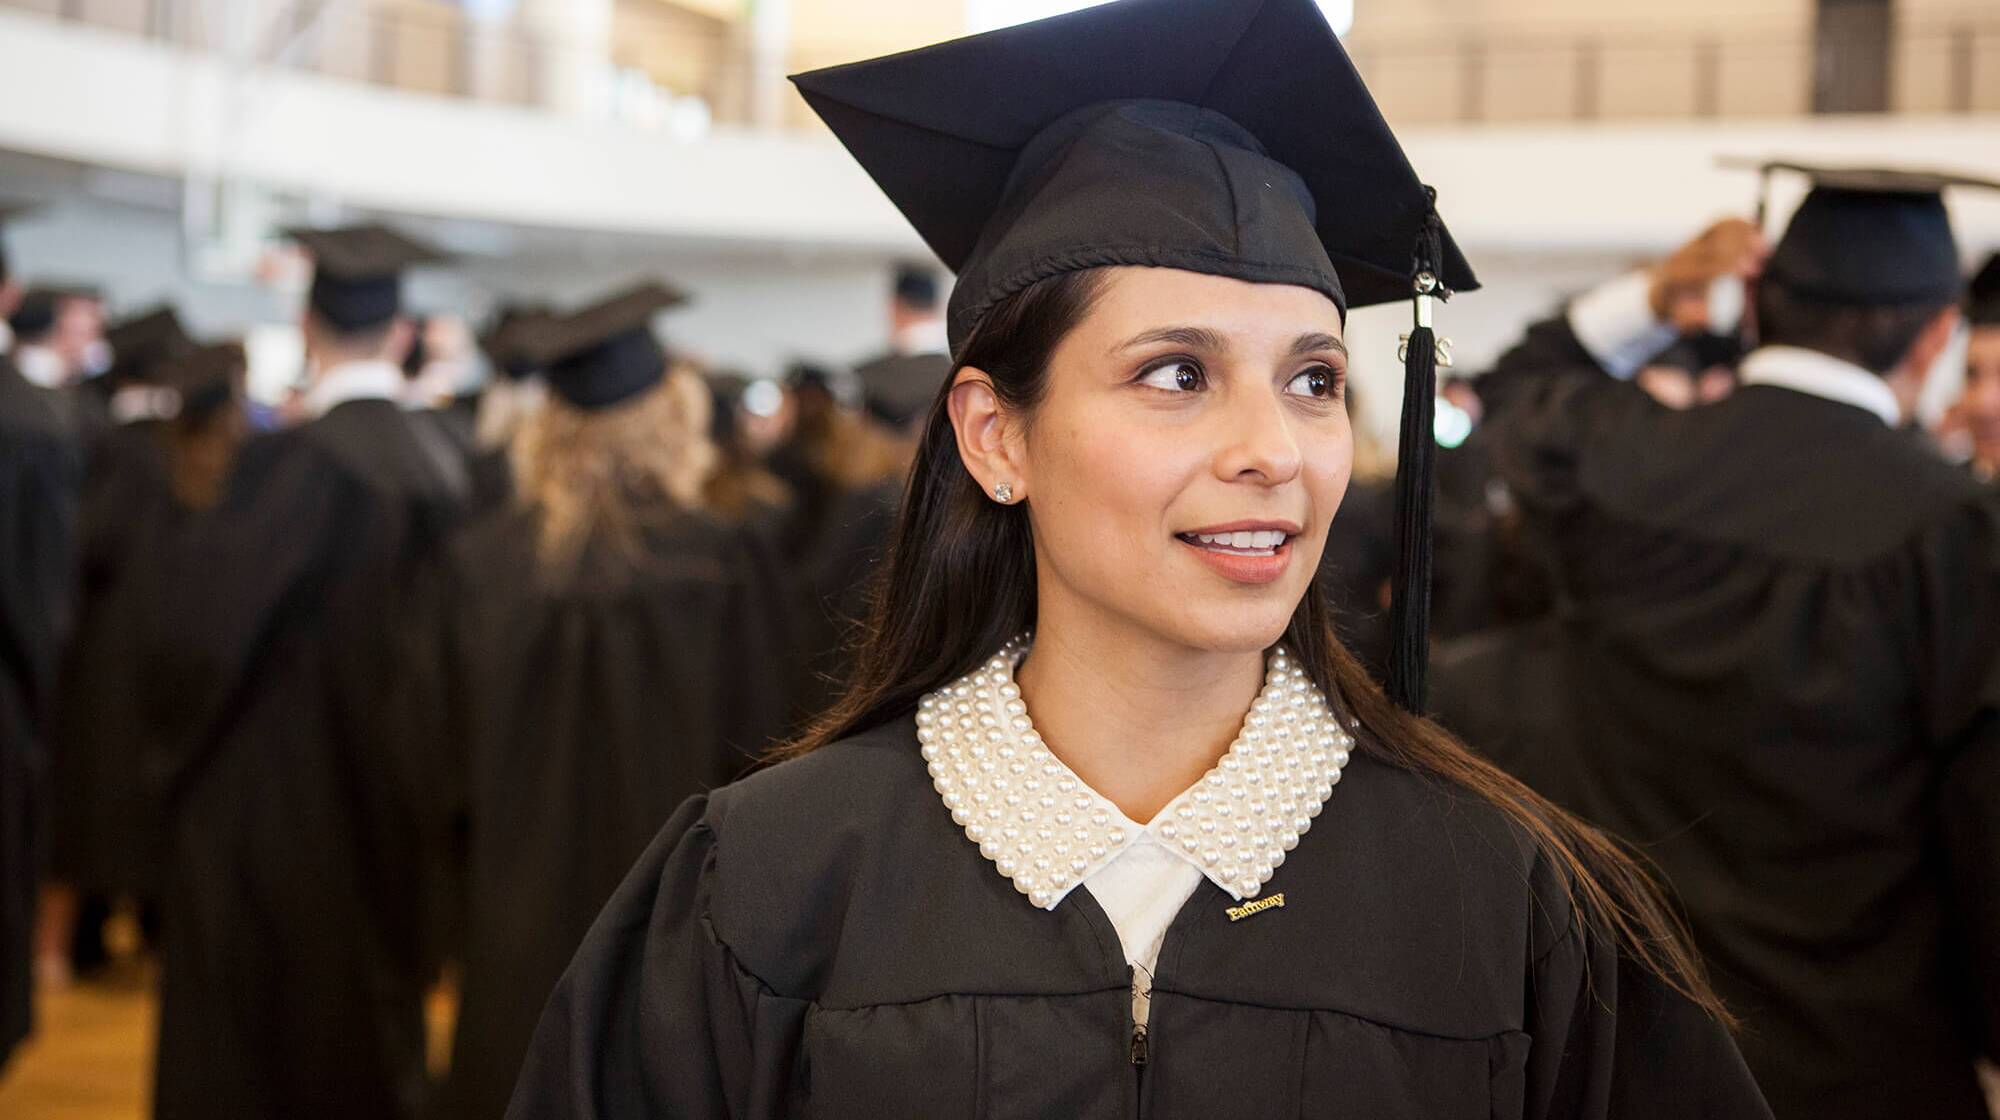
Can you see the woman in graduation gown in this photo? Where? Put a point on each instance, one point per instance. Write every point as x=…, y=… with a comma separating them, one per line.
x=177, y=426
x=612, y=648
x=1109, y=824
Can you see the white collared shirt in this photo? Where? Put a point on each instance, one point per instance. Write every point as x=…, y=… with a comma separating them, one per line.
x=353, y=381
x=1821, y=375
x=41, y=366
x=1048, y=832
x=1616, y=325
x=134, y=403
x=925, y=336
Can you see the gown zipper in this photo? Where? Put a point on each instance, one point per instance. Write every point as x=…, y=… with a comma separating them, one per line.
x=1142, y=999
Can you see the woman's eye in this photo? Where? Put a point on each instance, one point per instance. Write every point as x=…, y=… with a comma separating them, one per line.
x=1177, y=375
x=1319, y=381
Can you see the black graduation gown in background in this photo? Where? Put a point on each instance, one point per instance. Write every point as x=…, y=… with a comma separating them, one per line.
x=835, y=578
x=583, y=710
x=445, y=437
x=1781, y=631
x=106, y=826
x=296, y=950
x=40, y=471
x=1355, y=569
x=1462, y=588
x=821, y=940
x=1503, y=693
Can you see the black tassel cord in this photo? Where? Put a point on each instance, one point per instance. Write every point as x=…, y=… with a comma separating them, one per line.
x=1410, y=582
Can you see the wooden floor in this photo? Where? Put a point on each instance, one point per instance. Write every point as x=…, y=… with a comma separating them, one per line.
x=91, y=1056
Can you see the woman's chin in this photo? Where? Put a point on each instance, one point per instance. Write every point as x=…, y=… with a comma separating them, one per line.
x=1227, y=628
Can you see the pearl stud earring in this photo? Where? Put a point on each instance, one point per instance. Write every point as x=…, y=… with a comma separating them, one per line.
x=1003, y=492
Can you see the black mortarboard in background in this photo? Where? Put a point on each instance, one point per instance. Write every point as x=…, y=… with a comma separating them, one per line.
x=1982, y=296
x=1228, y=137
x=899, y=388
x=142, y=343
x=357, y=272
x=605, y=353
x=505, y=341
x=1869, y=236
x=207, y=378
x=916, y=286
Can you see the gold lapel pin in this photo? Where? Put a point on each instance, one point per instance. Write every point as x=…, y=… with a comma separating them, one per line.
x=1269, y=902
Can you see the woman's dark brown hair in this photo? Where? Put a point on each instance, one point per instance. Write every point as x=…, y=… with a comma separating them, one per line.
x=959, y=581
x=202, y=439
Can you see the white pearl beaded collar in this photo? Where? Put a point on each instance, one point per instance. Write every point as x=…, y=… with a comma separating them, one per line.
x=1047, y=831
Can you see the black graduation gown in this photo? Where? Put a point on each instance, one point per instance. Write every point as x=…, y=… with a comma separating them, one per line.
x=39, y=478
x=1503, y=693
x=1782, y=634
x=491, y=474
x=834, y=580
x=583, y=712
x=448, y=441
x=821, y=940
x=1462, y=588
x=106, y=826
x=296, y=950
x=1356, y=567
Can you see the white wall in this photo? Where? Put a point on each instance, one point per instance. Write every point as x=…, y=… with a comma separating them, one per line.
x=144, y=106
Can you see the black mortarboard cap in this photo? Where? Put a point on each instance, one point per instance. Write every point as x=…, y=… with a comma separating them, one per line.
x=1228, y=137
x=206, y=377
x=505, y=342
x=142, y=343
x=1982, y=296
x=606, y=352
x=1231, y=137
x=899, y=388
x=357, y=272
x=1870, y=236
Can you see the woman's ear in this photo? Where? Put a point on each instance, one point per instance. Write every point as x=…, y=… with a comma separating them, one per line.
x=988, y=437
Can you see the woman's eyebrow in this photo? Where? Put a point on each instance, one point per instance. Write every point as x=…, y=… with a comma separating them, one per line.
x=1194, y=338
x=1315, y=342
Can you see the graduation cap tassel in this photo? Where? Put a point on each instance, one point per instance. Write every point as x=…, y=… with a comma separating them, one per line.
x=1410, y=582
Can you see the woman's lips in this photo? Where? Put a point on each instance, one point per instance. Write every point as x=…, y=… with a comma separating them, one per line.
x=1260, y=557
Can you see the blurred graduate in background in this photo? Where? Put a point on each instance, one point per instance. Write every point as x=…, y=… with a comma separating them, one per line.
x=611, y=646
x=1778, y=669
x=299, y=935
x=177, y=421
